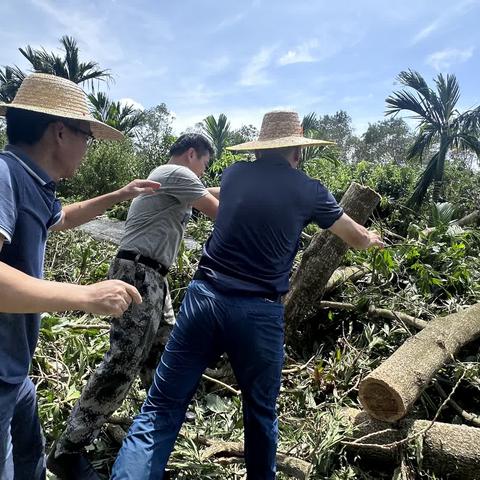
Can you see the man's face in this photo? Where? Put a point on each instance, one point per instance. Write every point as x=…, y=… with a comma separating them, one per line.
x=199, y=163
x=76, y=137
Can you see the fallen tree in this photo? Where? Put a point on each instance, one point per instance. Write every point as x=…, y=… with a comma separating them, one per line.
x=320, y=259
x=450, y=451
x=390, y=390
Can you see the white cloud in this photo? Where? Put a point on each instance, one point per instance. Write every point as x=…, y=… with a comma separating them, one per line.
x=444, y=59
x=301, y=54
x=86, y=28
x=229, y=22
x=255, y=72
x=445, y=18
x=216, y=65
x=132, y=102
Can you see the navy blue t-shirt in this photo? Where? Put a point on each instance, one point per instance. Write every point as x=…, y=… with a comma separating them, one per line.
x=264, y=206
x=28, y=208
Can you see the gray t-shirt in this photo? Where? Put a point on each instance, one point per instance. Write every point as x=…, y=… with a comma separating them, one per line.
x=156, y=223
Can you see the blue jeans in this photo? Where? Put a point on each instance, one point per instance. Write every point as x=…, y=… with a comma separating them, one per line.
x=22, y=444
x=250, y=331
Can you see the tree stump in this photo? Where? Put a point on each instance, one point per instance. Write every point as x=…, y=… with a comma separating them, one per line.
x=321, y=258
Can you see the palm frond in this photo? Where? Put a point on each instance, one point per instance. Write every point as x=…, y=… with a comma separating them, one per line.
x=448, y=93
x=309, y=123
x=421, y=145
x=425, y=180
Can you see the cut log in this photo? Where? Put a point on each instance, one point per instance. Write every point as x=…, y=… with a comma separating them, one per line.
x=390, y=390
x=320, y=259
x=470, y=219
x=344, y=274
x=450, y=451
x=233, y=452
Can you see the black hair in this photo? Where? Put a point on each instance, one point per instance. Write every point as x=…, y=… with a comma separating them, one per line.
x=25, y=126
x=197, y=141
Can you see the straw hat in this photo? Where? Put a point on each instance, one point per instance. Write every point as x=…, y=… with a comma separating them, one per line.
x=280, y=129
x=59, y=97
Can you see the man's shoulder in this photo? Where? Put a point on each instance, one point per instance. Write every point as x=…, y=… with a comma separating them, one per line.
x=10, y=167
x=170, y=172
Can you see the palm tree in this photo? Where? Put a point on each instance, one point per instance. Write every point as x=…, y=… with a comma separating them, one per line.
x=125, y=118
x=67, y=66
x=310, y=125
x=10, y=80
x=218, y=131
x=441, y=126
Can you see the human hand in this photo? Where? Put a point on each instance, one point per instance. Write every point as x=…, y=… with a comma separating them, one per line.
x=375, y=240
x=137, y=187
x=110, y=297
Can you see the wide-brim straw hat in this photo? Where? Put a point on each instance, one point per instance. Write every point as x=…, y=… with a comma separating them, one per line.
x=59, y=97
x=280, y=129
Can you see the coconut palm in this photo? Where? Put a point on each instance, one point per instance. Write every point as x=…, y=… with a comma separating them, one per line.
x=10, y=80
x=310, y=125
x=218, y=131
x=66, y=66
x=125, y=118
x=441, y=126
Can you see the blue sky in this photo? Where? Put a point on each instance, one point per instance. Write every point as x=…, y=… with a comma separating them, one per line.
x=246, y=58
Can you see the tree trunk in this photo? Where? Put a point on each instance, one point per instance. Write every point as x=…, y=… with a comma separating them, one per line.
x=344, y=274
x=391, y=389
x=450, y=451
x=471, y=218
x=321, y=258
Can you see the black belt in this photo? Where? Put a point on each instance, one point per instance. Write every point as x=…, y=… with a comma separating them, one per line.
x=274, y=297
x=148, y=262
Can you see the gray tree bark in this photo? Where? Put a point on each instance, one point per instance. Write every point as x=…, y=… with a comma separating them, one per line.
x=321, y=258
x=390, y=390
x=450, y=451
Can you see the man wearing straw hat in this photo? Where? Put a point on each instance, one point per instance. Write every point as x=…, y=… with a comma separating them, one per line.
x=233, y=305
x=48, y=127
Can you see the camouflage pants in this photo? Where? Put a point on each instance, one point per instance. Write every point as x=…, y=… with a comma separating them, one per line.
x=137, y=340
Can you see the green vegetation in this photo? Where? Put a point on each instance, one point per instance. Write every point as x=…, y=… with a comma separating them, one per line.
x=428, y=268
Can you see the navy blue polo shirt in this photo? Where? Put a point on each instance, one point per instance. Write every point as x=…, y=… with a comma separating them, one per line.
x=264, y=206
x=28, y=208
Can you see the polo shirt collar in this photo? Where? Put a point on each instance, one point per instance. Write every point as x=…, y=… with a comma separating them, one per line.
x=275, y=160
x=40, y=175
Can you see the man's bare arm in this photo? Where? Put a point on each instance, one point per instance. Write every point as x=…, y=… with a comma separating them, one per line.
x=215, y=191
x=208, y=205
x=354, y=234
x=21, y=293
x=82, y=212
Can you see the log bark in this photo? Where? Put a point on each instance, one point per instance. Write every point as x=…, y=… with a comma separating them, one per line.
x=471, y=218
x=390, y=390
x=450, y=451
x=344, y=274
x=320, y=259
x=233, y=452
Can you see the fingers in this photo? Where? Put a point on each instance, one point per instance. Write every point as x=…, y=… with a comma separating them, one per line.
x=133, y=294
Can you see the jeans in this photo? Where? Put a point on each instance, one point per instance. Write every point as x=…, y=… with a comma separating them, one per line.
x=251, y=331
x=22, y=444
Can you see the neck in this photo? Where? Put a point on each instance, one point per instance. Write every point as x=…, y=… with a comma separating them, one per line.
x=42, y=157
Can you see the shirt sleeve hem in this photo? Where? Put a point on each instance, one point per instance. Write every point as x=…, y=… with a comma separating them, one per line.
x=7, y=236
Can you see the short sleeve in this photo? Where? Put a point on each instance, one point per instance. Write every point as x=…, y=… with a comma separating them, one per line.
x=184, y=185
x=57, y=213
x=8, y=203
x=326, y=210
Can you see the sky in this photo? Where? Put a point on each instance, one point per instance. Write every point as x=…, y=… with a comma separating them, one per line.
x=243, y=59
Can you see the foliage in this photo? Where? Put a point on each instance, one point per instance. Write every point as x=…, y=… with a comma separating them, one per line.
x=218, y=131
x=125, y=118
x=10, y=80
x=441, y=126
x=106, y=167
x=66, y=66
x=386, y=141
x=246, y=133
x=153, y=139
